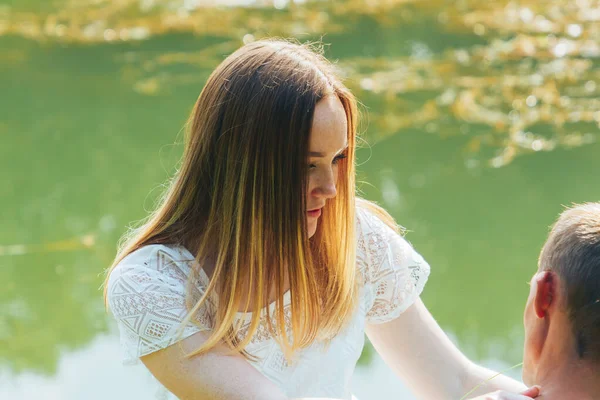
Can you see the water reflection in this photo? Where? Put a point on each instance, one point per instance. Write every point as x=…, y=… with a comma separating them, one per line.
x=522, y=72
x=94, y=367
x=97, y=97
x=514, y=68
x=89, y=373
x=50, y=304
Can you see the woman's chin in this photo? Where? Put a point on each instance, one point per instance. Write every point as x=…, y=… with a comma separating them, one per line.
x=312, y=229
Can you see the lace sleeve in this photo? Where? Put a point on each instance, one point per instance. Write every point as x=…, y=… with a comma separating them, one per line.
x=394, y=273
x=146, y=295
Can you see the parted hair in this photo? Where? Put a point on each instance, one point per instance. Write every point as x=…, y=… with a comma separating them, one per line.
x=573, y=252
x=238, y=199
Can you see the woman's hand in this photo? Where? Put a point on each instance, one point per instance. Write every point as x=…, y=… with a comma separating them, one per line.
x=530, y=393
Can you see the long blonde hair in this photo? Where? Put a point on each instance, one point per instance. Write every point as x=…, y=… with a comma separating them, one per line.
x=238, y=199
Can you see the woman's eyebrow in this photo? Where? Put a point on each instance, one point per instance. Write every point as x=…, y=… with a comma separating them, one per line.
x=319, y=154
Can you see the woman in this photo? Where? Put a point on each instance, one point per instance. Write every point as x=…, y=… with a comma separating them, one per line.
x=259, y=273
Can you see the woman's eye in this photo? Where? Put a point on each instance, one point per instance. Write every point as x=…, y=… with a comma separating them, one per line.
x=334, y=162
x=338, y=158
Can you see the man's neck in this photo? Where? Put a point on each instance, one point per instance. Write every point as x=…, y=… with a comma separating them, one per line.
x=568, y=379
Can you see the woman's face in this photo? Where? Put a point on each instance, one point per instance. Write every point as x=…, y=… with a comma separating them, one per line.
x=327, y=147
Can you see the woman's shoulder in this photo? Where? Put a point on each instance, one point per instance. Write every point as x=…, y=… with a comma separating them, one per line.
x=395, y=274
x=381, y=244
x=376, y=230
x=160, y=258
x=150, y=266
x=146, y=293
x=371, y=217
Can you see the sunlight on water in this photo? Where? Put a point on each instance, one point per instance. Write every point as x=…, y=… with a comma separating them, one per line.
x=481, y=119
x=527, y=73
x=85, y=241
x=81, y=370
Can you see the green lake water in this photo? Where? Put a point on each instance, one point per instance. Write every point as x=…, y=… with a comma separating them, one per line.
x=480, y=124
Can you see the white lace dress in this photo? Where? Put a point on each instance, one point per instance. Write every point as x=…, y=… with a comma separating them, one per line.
x=146, y=293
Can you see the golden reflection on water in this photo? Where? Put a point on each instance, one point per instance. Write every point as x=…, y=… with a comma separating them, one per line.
x=528, y=85
x=111, y=20
x=76, y=243
x=513, y=78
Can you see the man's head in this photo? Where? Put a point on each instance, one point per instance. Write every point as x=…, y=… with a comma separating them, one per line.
x=562, y=315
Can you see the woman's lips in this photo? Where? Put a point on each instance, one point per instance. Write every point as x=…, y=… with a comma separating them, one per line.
x=314, y=213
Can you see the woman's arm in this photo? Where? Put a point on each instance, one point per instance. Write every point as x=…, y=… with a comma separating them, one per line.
x=419, y=351
x=217, y=375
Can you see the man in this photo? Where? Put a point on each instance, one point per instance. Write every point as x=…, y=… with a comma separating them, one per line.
x=562, y=315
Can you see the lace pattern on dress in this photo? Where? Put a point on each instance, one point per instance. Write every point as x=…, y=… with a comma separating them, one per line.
x=263, y=333
x=391, y=268
x=148, y=301
x=147, y=290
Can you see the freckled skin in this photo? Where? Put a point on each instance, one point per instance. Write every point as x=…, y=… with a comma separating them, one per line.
x=328, y=136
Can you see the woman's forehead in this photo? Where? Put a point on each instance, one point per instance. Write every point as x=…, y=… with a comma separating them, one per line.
x=329, y=131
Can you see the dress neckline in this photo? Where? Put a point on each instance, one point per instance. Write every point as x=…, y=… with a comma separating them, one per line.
x=239, y=315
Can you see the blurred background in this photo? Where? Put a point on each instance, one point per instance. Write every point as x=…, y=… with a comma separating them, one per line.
x=480, y=121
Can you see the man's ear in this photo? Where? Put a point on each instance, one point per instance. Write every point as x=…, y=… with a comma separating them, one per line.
x=544, y=291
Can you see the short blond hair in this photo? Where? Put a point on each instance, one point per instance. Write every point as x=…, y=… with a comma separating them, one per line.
x=573, y=252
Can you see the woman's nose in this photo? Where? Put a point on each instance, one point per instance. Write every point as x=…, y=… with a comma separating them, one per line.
x=327, y=186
